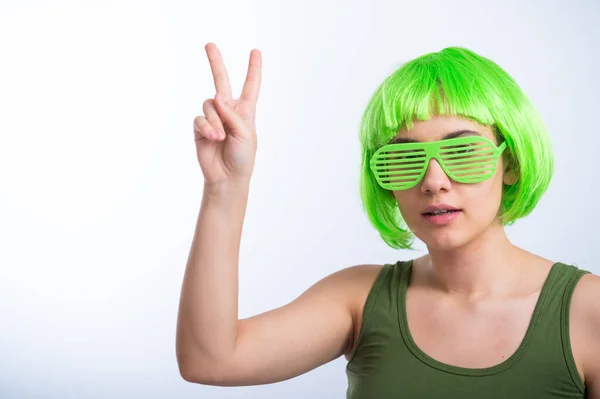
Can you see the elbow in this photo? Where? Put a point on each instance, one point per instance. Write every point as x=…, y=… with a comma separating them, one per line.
x=193, y=370
x=186, y=369
x=186, y=362
x=194, y=375
x=203, y=377
x=201, y=367
x=188, y=375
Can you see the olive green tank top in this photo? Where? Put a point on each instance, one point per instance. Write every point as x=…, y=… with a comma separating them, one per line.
x=388, y=364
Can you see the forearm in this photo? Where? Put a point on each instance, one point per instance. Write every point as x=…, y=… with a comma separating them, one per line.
x=208, y=310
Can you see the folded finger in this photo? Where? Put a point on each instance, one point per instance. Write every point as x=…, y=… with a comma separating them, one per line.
x=211, y=114
x=203, y=129
x=228, y=115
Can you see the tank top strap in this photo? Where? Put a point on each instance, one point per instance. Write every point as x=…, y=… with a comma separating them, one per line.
x=550, y=346
x=553, y=340
x=380, y=312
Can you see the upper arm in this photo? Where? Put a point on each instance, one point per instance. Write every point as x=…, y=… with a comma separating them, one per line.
x=313, y=329
x=585, y=331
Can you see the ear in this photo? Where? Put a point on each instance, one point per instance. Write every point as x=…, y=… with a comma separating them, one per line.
x=511, y=174
x=510, y=177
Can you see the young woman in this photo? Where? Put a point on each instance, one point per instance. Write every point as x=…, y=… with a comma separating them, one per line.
x=452, y=153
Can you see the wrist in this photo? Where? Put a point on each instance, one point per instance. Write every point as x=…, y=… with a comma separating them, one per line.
x=228, y=189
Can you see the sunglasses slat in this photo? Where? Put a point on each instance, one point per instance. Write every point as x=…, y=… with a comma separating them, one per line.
x=399, y=181
x=490, y=158
x=467, y=152
x=389, y=155
x=401, y=167
x=472, y=172
x=478, y=169
x=403, y=176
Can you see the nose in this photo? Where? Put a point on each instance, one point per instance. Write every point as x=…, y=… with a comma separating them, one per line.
x=435, y=178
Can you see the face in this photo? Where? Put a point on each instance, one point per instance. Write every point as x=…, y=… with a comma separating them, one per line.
x=479, y=203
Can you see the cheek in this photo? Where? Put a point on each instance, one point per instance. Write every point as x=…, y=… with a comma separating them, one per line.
x=409, y=205
x=484, y=201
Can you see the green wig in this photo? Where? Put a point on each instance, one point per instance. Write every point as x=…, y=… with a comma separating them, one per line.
x=454, y=81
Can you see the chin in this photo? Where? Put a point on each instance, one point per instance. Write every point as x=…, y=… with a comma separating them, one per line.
x=442, y=240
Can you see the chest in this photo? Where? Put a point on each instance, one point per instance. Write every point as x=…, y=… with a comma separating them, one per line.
x=473, y=336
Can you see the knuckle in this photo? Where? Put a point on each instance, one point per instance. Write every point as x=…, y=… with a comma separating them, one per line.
x=208, y=103
x=209, y=108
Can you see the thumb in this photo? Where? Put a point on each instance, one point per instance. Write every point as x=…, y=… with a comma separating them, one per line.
x=230, y=117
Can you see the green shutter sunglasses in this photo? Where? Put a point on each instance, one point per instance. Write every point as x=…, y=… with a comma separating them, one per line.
x=470, y=159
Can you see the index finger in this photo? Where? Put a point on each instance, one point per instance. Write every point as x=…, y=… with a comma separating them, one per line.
x=219, y=71
x=253, y=77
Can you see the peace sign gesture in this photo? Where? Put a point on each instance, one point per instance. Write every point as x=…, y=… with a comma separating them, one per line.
x=225, y=134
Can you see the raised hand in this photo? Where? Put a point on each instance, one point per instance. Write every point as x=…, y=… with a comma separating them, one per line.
x=225, y=134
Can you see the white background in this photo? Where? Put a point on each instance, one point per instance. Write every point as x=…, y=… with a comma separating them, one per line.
x=100, y=186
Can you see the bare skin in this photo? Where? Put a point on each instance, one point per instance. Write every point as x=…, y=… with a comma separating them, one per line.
x=472, y=272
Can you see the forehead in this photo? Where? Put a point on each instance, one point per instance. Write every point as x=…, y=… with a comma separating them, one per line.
x=437, y=127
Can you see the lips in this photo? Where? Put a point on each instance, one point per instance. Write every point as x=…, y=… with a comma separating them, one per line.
x=442, y=219
x=430, y=210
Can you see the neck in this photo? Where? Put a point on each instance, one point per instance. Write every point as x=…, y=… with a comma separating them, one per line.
x=487, y=266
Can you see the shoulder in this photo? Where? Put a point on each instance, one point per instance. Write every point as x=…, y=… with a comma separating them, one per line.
x=345, y=284
x=585, y=326
x=354, y=278
x=585, y=303
x=359, y=281
x=352, y=284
